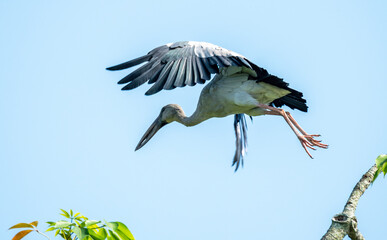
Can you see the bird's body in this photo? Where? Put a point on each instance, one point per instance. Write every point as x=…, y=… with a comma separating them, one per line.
x=239, y=87
x=232, y=92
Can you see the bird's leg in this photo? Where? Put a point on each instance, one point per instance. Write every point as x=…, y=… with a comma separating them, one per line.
x=307, y=141
x=303, y=140
x=307, y=136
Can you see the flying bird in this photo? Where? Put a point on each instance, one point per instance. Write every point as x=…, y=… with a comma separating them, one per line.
x=239, y=87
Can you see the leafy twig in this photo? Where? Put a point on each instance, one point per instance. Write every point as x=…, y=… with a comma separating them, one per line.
x=42, y=234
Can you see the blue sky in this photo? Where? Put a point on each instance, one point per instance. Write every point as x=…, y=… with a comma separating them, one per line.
x=67, y=132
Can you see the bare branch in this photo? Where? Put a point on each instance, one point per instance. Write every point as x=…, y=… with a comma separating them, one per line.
x=345, y=223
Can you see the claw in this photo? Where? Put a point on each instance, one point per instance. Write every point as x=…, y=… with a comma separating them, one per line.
x=308, y=141
x=313, y=135
x=307, y=151
x=315, y=142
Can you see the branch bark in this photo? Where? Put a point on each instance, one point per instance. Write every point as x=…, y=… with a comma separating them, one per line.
x=345, y=223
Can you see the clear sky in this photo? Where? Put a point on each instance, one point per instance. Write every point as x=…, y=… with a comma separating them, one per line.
x=67, y=132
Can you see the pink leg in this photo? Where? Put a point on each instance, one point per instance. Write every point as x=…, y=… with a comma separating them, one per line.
x=305, y=139
x=307, y=136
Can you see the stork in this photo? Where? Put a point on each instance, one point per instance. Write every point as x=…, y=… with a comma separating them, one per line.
x=239, y=87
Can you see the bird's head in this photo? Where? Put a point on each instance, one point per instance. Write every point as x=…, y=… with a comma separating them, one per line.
x=168, y=114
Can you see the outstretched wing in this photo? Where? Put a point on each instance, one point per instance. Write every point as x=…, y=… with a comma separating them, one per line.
x=179, y=64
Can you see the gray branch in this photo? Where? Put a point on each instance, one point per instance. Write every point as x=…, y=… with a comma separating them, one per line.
x=345, y=223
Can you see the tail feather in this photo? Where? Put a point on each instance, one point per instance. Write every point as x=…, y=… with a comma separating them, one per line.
x=293, y=101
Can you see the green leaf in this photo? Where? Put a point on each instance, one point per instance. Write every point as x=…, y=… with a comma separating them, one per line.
x=112, y=236
x=383, y=167
x=80, y=232
x=22, y=225
x=381, y=164
x=66, y=214
x=21, y=234
x=381, y=159
x=79, y=218
x=57, y=231
x=62, y=224
x=91, y=222
x=77, y=214
x=50, y=223
x=98, y=235
x=62, y=234
x=71, y=212
x=50, y=229
x=121, y=230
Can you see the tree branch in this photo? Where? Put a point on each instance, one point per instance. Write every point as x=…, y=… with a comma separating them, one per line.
x=345, y=223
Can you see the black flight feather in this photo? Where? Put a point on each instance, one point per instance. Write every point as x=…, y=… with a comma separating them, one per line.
x=204, y=73
x=153, y=72
x=245, y=62
x=224, y=61
x=218, y=62
x=189, y=77
x=130, y=63
x=212, y=68
x=172, y=76
x=196, y=71
x=136, y=73
x=179, y=82
x=158, y=86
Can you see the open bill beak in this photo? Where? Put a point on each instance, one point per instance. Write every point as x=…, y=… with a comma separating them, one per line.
x=152, y=130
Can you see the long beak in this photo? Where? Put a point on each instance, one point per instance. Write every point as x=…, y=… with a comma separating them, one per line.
x=152, y=130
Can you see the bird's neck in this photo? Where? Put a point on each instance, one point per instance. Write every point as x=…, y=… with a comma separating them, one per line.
x=192, y=120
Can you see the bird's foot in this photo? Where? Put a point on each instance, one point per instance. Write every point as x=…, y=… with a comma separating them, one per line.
x=308, y=141
x=315, y=142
